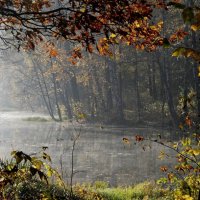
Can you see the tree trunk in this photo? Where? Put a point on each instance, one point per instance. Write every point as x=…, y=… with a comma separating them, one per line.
x=137, y=90
x=102, y=107
x=164, y=71
x=65, y=100
x=74, y=88
x=109, y=101
x=56, y=97
x=44, y=91
x=116, y=88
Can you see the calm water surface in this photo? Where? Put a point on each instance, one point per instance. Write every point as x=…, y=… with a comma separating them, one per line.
x=99, y=154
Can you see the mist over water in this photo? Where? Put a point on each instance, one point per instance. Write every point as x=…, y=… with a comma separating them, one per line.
x=99, y=153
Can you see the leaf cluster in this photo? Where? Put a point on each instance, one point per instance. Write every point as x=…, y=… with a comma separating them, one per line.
x=25, y=168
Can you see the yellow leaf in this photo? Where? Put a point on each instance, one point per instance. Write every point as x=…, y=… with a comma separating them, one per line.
x=137, y=24
x=81, y=116
x=162, y=155
x=113, y=35
x=126, y=140
x=187, y=197
x=37, y=164
x=82, y=10
x=195, y=152
x=178, y=52
x=195, y=27
x=160, y=24
x=198, y=71
x=128, y=43
x=186, y=141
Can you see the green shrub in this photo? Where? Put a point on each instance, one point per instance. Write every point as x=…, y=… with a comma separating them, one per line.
x=31, y=190
x=100, y=185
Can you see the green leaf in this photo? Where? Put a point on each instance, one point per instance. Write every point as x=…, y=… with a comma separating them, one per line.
x=9, y=167
x=162, y=181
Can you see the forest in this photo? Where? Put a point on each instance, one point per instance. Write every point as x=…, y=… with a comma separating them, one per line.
x=104, y=63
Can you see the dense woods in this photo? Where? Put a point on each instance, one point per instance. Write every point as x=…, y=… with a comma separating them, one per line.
x=127, y=85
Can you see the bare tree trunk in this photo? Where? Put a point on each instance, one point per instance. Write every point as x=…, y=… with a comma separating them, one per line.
x=166, y=77
x=116, y=88
x=56, y=97
x=109, y=101
x=164, y=70
x=74, y=88
x=44, y=92
x=65, y=101
x=154, y=89
x=99, y=90
x=137, y=90
x=92, y=99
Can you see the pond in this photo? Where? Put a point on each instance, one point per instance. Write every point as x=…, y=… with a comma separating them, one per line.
x=100, y=153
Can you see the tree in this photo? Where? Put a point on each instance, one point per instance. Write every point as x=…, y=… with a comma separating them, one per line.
x=96, y=25
x=79, y=21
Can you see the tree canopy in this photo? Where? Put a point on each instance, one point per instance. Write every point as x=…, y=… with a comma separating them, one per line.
x=81, y=21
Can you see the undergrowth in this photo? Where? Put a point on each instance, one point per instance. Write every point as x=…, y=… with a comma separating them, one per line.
x=36, y=119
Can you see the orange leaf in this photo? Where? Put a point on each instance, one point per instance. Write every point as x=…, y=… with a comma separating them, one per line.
x=53, y=53
x=188, y=121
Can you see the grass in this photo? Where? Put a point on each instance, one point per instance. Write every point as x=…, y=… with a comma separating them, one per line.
x=116, y=193
x=38, y=190
x=146, y=190
x=36, y=119
x=100, y=190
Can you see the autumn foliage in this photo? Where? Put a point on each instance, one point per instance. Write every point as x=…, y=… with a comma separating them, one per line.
x=81, y=21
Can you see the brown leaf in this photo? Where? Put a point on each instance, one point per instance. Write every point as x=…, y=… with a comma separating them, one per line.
x=139, y=138
x=163, y=168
